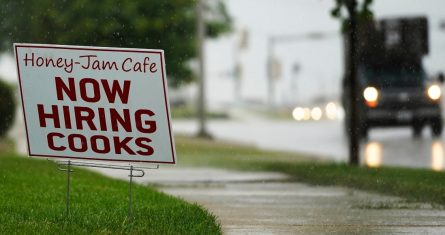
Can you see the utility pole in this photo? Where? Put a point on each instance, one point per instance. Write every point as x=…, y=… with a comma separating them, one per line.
x=354, y=143
x=270, y=75
x=200, y=25
x=293, y=84
x=238, y=66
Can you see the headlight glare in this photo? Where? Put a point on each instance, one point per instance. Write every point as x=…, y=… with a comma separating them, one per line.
x=434, y=92
x=371, y=94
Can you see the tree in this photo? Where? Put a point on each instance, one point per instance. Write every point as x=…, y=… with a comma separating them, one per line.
x=7, y=107
x=163, y=24
x=350, y=27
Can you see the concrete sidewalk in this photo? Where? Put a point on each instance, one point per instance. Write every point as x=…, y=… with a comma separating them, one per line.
x=268, y=203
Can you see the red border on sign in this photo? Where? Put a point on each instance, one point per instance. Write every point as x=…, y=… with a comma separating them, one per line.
x=97, y=49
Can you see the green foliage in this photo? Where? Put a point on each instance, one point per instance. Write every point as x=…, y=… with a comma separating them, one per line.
x=161, y=24
x=7, y=107
x=32, y=201
x=363, y=10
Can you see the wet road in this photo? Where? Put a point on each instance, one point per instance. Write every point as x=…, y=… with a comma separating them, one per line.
x=392, y=147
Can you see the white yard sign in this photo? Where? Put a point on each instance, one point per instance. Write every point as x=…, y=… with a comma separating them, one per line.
x=95, y=103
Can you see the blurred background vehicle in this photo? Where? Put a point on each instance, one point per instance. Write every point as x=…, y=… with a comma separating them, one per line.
x=394, y=88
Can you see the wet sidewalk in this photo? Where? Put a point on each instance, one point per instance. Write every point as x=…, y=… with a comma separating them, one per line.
x=268, y=203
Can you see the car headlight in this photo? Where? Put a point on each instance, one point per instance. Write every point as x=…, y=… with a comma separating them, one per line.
x=434, y=92
x=371, y=95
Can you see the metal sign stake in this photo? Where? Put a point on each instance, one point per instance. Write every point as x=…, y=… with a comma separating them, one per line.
x=68, y=183
x=139, y=173
x=130, y=195
x=68, y=174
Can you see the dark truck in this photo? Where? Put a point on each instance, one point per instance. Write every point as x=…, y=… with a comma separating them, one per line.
x=394, y=89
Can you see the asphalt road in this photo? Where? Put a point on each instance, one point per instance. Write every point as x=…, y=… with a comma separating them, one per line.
x=389, y=146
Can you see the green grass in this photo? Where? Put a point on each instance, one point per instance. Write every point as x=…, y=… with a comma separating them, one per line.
x=419, y=185
x=32, y=201
x=200, y=152
x=187, y=112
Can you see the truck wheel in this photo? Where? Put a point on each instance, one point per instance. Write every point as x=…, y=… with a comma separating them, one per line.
x=364, y=132
x=436, y=127
x=417, y=131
